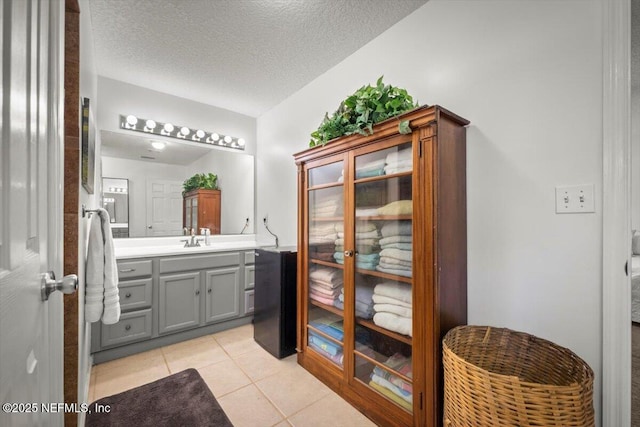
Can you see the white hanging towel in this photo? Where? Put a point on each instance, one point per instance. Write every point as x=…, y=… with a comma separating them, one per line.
x=102, y=299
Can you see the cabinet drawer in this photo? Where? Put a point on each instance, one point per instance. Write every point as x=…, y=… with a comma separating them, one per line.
x=249, y=257
x=248, y=301
x=135, y=294
x=249, y=277
x=134, y=326
x=130, y=269
x=198, y=262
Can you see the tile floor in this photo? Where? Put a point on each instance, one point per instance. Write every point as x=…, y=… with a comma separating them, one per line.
x=254, y=388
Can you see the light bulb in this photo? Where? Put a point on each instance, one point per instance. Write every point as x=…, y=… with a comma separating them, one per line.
x=200, y=133
x=168, y=127
x=227, y=139
x=151, y=124
x=132, y=120
x=185, y=130
x=215, y=136
x=241, y=142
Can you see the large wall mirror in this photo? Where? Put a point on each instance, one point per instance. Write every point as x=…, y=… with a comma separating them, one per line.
x=155, y=176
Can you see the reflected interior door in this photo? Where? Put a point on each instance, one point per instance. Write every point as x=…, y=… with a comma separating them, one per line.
x=164, y=208
x=31, y=210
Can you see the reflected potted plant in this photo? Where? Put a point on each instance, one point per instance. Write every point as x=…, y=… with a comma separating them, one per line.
x=200, y=181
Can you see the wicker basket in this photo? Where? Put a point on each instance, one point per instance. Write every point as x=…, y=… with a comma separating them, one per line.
x=499, y=377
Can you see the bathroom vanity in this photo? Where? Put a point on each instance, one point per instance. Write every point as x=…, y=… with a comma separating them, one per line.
x=170, y=293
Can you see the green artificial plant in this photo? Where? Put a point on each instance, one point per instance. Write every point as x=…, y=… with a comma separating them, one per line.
x=360, y=111
x=206, y=181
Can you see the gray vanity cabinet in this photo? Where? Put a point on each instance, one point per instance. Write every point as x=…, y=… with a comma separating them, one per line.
x=178, y=302
x=223, y=295
x=168, y=299
x=249, y=281
x=135, y=292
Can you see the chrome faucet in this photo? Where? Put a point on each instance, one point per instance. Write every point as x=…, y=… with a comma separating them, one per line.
x=193, y=242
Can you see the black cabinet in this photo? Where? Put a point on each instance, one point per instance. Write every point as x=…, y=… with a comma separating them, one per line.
x=274, y=317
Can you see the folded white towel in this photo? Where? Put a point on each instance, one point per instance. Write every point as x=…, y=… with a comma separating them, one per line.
x=390, y=170
x=398, y=156
x=371, y=166
x=396, y=228
x=393, y=322
x=392, y=308
x=397, y=254
x=381, y=299
x=400, y=164
x=326, y=275
x=102, y=299
x=396, y=239
x=401, y=291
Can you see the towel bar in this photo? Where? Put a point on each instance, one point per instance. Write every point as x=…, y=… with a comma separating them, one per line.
x=87, y=212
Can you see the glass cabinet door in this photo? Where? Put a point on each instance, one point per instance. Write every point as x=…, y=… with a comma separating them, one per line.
x=325, y=326
x=187, y=213
x=383, y=258
x=194, y=214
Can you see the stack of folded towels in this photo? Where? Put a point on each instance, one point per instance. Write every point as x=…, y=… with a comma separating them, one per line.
x=397, y=248
x=393, y=386
x=325, y=285
x=393, y=307
x=326, y=206
x=364, y=301
x=322, y=238
x=367, y=245
x=372, y=168
x=399, y=161
x=325, y=347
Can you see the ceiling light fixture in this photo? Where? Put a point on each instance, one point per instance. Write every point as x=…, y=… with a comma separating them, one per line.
x=138, y=124
x=158, y=145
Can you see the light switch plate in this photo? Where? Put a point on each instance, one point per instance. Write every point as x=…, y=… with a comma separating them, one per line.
x=575, y=199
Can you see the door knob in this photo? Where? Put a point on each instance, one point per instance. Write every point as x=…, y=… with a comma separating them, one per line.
x=348, y=253
x=149, y=227
x=68, y=284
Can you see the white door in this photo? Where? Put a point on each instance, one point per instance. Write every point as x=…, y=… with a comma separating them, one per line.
x=164, y=208
x=30, y=210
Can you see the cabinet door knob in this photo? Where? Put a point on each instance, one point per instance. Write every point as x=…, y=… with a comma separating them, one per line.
x=197, y=292
x=348, y=253
x=128, y=327
x=128, y=295
x=209, y=291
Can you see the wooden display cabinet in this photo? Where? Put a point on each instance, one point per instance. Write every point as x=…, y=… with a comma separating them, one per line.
x=201, y=209
x=382, y=263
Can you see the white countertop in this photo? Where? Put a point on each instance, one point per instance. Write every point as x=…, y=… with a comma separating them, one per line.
x=158, y=246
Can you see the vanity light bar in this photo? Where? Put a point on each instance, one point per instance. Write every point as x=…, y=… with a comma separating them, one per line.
x=138, y=124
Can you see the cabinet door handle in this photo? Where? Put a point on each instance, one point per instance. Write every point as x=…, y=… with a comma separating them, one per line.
x=128, y=327
x=348, y=253
x=127, y=270
x=128, y=295
x=197, y=292
x=209, y=291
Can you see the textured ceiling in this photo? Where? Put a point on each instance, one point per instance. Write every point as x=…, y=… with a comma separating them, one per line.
x=242, y=55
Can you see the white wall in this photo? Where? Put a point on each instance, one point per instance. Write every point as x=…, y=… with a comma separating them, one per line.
x=139, y=173
x=236, y=181
x=88, y=89
x=528, y=75
x=118, y=98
